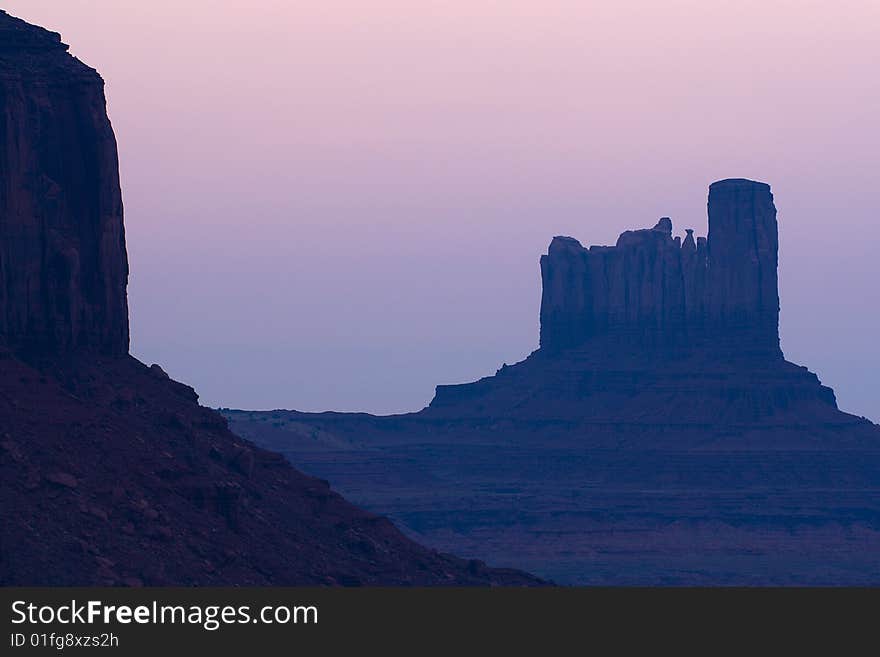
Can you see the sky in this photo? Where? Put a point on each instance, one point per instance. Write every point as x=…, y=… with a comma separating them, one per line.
x=338, y=204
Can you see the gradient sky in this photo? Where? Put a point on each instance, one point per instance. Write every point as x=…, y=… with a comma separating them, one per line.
x=339, y=204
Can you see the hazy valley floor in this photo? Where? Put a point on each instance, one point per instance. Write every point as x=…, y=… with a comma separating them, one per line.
x=619, y=505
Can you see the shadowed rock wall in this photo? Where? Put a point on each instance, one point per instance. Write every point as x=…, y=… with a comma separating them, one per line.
x=63, y=263
x=655, y=289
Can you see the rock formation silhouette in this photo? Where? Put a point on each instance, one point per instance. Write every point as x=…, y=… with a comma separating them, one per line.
x=110, y=472
x=658, y=329
x=664, y=291
x=656, y=436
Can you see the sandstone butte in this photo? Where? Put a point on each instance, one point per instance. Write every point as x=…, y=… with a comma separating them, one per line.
x=656, y=436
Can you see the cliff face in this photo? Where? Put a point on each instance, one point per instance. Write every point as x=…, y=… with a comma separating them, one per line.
x=63, y=263
x=662, y=291
x=110, y=472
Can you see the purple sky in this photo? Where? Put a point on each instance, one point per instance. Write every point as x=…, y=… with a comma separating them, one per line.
x=339, y=204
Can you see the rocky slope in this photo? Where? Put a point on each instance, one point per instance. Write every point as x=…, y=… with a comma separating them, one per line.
x=657, y=436
x=110, y=472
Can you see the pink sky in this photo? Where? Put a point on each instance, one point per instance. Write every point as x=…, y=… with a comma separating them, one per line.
x=337, y=205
